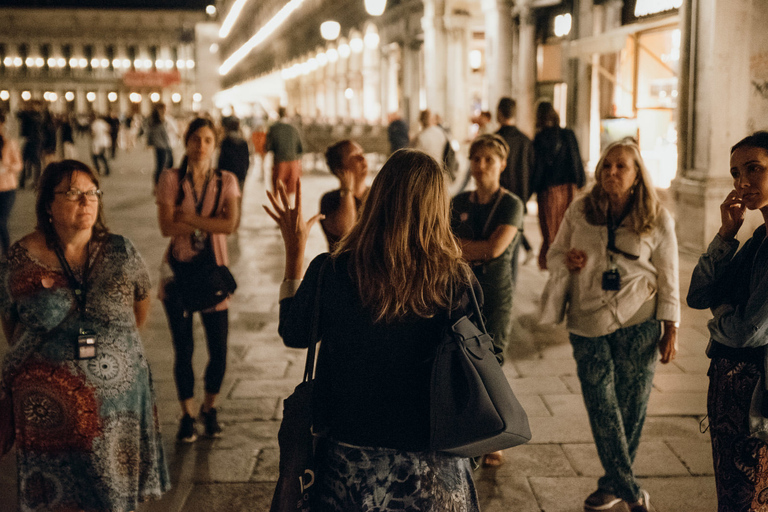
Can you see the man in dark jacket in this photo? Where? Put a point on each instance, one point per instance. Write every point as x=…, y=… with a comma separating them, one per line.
x=516, y=176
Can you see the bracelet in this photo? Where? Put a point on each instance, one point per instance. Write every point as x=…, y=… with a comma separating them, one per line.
x=344, y=191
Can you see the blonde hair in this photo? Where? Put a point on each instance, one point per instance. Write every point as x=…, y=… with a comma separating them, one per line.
x=404, y=257
x=645, y=204
x=490, y=141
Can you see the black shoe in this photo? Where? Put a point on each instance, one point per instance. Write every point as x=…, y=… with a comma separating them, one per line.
x=187, y=432
x=212, y=427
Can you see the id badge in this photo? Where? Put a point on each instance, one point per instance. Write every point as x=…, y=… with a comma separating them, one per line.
x=86, y=344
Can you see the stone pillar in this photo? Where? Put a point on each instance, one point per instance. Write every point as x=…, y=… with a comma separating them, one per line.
x=410, y=105
x=715, y=93
x=457, y=77
x=435, y=55
x=372, y=82
x=524, y=89
x=580, y=82
x=499, y=35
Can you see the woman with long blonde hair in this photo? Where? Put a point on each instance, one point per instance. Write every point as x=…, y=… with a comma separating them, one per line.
x=386, y=294
x=616, y=254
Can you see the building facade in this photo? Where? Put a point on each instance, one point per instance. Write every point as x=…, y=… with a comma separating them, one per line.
x=100, y=60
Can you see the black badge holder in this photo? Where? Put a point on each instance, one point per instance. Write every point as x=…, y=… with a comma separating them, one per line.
x=87, y=339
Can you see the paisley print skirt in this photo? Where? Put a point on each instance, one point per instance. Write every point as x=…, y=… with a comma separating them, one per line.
x=359, y=479
x=741, y=462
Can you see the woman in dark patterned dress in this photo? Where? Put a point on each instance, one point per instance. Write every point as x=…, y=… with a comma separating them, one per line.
x=385, y=299
x=734, y=286
x=87, y=434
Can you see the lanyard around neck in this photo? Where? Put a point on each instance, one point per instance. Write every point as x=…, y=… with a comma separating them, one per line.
x=79, y=288
x=612, y=225
x=199, y=202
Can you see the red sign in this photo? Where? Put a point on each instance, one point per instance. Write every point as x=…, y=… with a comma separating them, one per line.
x=151, y=78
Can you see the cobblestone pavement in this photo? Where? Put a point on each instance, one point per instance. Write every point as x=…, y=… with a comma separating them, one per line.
x=554, y=473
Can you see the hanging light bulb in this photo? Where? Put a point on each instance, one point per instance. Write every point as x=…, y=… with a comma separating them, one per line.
x=375, y=7
x=330, y=30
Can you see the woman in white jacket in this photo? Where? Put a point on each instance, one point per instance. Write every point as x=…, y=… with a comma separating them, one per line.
x=617, y=248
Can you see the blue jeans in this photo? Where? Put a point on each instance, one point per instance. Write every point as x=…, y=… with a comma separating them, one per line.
x=616, y=375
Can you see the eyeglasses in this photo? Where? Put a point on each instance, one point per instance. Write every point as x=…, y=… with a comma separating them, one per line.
x=74, y=194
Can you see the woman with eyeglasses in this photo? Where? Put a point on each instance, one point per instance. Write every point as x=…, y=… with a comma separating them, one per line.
x=72, y=298
x=615, y=258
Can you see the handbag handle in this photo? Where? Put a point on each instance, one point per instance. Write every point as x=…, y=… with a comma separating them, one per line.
x=309, y=366
x=476, y=307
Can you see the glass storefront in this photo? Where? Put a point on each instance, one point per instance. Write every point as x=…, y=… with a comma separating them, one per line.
x=641, y=81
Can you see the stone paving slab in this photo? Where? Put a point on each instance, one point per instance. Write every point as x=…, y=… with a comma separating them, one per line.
x=570, y=405
x=654, y=458
x=505, y=494
x=678, y=403
x=696, y=455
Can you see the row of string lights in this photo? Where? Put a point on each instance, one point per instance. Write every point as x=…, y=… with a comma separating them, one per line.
x=331, y=55
x=90, y=96
x=82, y=63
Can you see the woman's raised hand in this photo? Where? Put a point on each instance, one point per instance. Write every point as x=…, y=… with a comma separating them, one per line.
x=293, y=227
x=732, y=212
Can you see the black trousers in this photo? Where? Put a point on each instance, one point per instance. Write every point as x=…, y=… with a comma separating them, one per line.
x=216, y=325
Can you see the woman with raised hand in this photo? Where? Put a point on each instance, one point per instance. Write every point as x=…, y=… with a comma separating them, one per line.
x=617, y=252
x=386, y=295
x=734, y=286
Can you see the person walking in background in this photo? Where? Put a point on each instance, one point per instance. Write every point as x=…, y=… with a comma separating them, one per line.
x=341, y=207
x=432, y=138
x=114, y=131
x=197, y=206
x=484, y=126
x=10, y=167
x=397, y=132
x=615, y=261
x=234, y=155
x=284, y=141
x=157, y=137
x=558, y=172
x=487, y=222
x=69, y=151
x=31, y=129
x=391, y=287
x=87, y=430
x=100, y=143
x=516, y=176
x=734, y=286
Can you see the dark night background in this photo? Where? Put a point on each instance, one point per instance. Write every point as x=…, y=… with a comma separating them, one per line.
x=110, y=4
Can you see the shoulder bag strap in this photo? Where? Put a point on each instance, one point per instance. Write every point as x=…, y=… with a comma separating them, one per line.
x=309, y=367
x=496, y=203
x=476, y=307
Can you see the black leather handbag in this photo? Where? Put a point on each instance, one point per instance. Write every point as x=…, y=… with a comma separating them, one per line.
x=473, y=410
x=200, y=283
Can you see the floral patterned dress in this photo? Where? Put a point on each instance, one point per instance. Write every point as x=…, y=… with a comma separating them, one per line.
x=87, y=433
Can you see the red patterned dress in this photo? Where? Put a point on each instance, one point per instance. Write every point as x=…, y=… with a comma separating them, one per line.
x=87, y=434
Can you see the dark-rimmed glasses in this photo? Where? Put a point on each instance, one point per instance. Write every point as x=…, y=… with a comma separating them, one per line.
x=74, y=194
